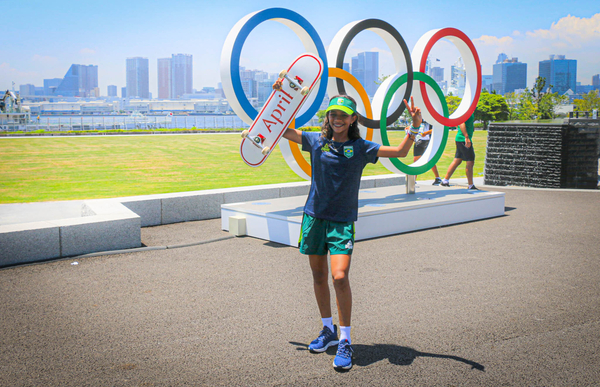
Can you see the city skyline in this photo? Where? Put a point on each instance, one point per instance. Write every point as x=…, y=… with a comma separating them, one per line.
x=87, y=34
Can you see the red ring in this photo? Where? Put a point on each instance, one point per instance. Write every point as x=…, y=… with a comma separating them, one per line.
x=437, y=36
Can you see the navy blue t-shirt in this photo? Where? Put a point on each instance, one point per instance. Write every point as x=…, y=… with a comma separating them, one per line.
x=336, y=171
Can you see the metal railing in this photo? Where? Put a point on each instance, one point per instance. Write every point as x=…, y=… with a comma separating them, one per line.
x=91, y=123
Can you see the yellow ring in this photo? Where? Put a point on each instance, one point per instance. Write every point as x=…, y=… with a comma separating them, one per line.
x=334, y=72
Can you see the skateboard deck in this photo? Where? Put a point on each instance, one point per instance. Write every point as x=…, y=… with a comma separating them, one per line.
x=291, y=89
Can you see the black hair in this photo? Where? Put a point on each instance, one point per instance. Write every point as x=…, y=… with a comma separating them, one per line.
x=353, y=131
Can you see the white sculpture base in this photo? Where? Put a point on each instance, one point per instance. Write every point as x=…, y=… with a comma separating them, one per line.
x=382, y=211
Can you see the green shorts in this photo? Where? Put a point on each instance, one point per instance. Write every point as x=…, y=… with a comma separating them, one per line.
x=318, y=236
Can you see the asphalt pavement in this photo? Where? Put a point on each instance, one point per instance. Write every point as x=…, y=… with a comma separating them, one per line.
x=508, y=301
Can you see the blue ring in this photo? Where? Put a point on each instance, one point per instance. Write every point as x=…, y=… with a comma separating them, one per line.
x=236, y=51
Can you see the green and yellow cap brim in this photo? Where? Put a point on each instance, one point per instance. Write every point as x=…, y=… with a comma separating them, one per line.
x=343, y=104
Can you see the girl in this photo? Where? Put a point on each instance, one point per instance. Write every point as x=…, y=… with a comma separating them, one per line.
x=338, y=156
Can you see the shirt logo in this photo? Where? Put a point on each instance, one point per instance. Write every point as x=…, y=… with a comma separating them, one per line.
x=349, y=151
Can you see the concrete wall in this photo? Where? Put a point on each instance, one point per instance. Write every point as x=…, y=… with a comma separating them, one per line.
x=103, y=225
x=115, y=224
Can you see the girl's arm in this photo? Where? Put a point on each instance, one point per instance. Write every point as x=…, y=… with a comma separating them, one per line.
x=397, y=151
x=402, y=149
x=294, y=135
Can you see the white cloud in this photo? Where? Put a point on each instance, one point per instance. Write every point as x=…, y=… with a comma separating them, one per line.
x=575, y=37
x=494, y=41
x=87, y=51
x=570, y=29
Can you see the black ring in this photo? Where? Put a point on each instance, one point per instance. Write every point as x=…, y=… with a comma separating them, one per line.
x=339, y=63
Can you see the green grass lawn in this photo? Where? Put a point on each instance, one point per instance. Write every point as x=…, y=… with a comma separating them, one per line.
x=69, y=168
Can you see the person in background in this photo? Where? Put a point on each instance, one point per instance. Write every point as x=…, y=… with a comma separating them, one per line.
x=464, y=152
x=421, y=143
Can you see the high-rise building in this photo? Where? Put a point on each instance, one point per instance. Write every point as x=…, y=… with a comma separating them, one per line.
x=26, y=90
x=175, y=76
x=80, y=81
x=357, y=70
x=487, y=82
x=365, y=68
x=596, y=82
x=50, y=85
x=164, y=78
x=560, y=73
x=137, y=78
x=457, y=78
x=501, y=58
x=181, y=75
x=437, y=73
x=112, y=90
x=249, y=84
x=123, y=92
x=509, y=76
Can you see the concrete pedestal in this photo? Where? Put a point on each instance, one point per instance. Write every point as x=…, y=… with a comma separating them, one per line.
x=382, y=211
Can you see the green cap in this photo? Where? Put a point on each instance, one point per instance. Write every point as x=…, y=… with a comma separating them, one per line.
x=342, y=103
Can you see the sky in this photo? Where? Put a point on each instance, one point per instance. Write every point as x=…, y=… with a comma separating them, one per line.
x=43, y=38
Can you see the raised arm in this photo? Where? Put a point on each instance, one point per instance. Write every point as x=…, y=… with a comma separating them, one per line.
x=294, y=135
x=404, y=147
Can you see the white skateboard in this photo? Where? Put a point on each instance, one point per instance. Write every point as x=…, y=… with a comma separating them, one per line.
x=289, y=93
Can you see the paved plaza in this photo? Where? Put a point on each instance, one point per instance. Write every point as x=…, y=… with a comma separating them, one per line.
x=508, y=301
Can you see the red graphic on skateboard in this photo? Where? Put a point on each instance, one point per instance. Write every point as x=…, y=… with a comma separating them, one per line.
x=289, y=93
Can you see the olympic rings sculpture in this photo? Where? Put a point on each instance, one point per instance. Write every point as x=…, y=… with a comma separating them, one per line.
x=371, y=115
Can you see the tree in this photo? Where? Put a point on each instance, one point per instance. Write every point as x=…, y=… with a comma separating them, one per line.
x=491, y=107
x=321, y=115
x=589, y=102
x=545, y=101
x=512, y=100
x=547, y=105
x=538, y=90
x=381, y=79
x=526, y=108
x=452, y=102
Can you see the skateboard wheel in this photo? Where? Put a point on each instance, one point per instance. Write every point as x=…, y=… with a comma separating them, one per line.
x=245, y=133
x=283, y=73
x=305, y=90
x=265, y=151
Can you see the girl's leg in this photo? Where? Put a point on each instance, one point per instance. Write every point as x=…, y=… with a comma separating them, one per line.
x=318, y=265
x=340, y=267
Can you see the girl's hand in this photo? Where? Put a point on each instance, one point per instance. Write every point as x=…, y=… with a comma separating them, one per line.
x=415, y=113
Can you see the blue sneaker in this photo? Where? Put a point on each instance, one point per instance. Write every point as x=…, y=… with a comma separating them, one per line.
x=326, y=339
x=343, y=357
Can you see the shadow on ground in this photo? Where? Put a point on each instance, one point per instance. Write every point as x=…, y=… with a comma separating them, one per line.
x=365, y=355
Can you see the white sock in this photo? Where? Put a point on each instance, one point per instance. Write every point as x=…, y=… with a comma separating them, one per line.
x=328, y=322
x=345, y=334
x=445, y=181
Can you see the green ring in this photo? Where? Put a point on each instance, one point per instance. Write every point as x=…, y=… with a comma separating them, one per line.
x=418, y=76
